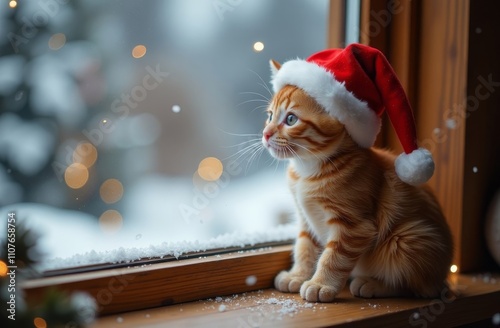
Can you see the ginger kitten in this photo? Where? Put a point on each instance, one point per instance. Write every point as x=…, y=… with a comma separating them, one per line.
x=356, y=217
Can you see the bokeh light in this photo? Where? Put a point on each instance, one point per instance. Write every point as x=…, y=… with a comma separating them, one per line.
x=210, y=169
x=13, y=4
x=76, y=175
x=139, y=51
x=40, y=322
x=111, y=221
x=258, y=46
x=85, y=154
x=57, y=41
x=111, y=191
x=176, y=108
x=453, y=268
x=3, y=269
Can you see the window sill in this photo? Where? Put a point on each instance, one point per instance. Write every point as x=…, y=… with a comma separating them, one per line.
x=268, y=308
x=169, y=292
x=146, y=286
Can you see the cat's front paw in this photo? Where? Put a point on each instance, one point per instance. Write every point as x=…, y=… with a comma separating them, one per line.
x=289, y=282
x=313, y=291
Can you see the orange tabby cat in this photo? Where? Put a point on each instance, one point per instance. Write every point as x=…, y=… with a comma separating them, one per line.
x=357, y=218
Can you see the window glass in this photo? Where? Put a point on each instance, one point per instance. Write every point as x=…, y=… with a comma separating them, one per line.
x=137, y=123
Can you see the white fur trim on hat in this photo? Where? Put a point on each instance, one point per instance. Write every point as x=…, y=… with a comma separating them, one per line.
x=360, y=121
x=415, y=168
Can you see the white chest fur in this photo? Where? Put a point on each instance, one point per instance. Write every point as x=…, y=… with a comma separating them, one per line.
x=313, y=213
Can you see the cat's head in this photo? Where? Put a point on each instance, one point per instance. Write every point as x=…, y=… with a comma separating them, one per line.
x=298, y=127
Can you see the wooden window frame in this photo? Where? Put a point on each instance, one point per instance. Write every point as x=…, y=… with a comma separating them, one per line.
x=411, y=40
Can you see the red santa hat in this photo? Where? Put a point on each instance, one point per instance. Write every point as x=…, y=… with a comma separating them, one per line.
x=356, y=85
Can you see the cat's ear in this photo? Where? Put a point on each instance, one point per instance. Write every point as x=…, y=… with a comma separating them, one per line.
x=275, y=66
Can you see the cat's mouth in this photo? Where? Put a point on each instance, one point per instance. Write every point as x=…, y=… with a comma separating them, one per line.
x=279, y=148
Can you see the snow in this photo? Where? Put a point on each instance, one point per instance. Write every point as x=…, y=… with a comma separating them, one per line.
x=251, y=280
x=245, y=212
x=10, y=192
x=287, y=306
x=54, y=93
x=12, y=72
x=451, y=124
x=54, y=226
x=26, y=145
x=261, y=307
x=129, y=254
x=85, y=305
x=486, y=279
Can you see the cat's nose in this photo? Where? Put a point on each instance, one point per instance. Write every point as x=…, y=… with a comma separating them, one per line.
x=267, y=135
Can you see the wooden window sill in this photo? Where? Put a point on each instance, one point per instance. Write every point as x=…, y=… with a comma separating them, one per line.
x=155, y=294
x=479, y=301
x=146, y=284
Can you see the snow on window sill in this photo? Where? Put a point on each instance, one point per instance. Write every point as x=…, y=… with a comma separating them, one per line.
x=279, y=235
x=146, y=286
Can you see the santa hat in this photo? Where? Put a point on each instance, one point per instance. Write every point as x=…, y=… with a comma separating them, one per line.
x=356, y=85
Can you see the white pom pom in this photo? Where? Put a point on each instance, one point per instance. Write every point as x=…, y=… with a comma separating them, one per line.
x=415, y=168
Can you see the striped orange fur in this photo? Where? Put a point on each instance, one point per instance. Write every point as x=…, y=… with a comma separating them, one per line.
x=356, y=217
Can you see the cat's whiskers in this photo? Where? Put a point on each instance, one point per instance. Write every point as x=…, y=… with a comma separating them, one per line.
x=241, y=134
x=263, y=98
x=242, y=152
x=243, y=143
x=252, y=151
x=259, y=96
x=261, y=107
x=256, y=152
x=245, y=135
x=254, y=100
x=263, y=84
x=250, y=155
x=252, y=148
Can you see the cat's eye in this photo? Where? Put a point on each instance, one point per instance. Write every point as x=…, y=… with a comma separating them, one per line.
x=270, y=116
x=291, y=119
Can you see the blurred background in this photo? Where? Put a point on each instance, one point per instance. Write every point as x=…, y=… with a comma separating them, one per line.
x=134, y=123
